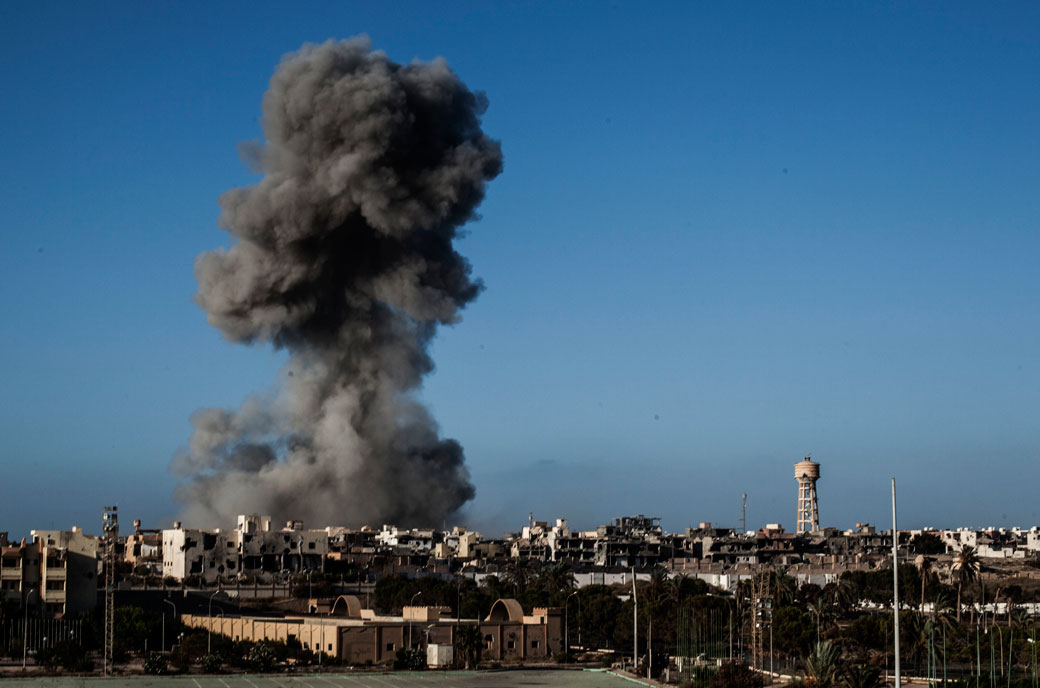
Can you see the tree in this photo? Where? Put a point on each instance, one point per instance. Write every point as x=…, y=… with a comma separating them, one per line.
x=657, y=585
x=965, y=568
x=924, y=565
x=782, y=586
x=858, y=676
x=556, y=578
x=793, y=630
x=468, y=645
x=821, y=667
x=821, y=610
x=843, y=596
x=518, y=575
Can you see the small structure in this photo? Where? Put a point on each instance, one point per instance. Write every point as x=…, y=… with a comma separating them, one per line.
x=438, y=655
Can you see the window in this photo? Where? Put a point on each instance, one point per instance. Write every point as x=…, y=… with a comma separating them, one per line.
x=534, y=643
x=55, y=585
x=389, y=647
x=310, y=545
x=510, y=645
x=330, y=647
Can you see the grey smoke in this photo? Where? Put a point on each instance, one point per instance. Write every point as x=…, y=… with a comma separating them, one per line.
x=344, y=257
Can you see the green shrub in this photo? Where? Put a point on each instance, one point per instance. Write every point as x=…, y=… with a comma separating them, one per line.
x=67, y=654
x=211, y=663
x=155, y=664
x=412, y=660
x=260, y=657
x=736, y=674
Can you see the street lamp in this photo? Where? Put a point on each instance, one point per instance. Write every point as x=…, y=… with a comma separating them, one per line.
x=209, y=631
x=321, y=646
x=164, y=623
x=410, y=619
x=567, y=622
x=209, y=623
x=25, y=627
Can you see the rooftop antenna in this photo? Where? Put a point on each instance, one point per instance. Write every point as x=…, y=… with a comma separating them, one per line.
x=743, y=516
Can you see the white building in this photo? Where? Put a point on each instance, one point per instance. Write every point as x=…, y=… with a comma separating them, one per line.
x=251, y=548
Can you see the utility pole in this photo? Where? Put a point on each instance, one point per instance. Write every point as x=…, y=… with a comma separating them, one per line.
x=895, y=580
x=635, y=623
x=743, y=516
x=110, y=529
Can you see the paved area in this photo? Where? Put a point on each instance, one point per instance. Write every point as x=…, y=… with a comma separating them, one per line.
x=427, y=679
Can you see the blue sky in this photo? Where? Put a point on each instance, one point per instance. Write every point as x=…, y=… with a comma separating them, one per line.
x=726, y=236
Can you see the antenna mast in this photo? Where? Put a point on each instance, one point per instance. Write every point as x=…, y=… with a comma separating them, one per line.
x=743, y=516
x=110, y=530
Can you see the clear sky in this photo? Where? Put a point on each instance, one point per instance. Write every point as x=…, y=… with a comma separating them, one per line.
x=727, y=235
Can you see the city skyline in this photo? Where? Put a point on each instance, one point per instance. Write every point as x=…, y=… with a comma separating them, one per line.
x=724, y=238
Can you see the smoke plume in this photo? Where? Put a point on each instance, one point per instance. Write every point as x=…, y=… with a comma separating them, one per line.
x=344, y=257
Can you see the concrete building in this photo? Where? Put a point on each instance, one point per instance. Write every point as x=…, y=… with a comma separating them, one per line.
x=57, y=571
x=251, y=548
x=358, y=635
x=143, y=550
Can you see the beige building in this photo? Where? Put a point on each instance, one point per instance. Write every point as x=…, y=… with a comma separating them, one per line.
x=360, y=636
x=57, y=570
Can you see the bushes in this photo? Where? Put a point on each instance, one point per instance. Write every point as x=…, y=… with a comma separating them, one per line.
x=260, y=657
x=411, y=660
x=155, y=664
x=67, y=654
x=211, y=663
x=736, y=674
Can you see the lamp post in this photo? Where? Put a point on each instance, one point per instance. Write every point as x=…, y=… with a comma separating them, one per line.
x=209, y=631
x=209, y=623
x=25, y=628
x=321, y=648
x=164, y=623
x=410, y=619
x=567, y=622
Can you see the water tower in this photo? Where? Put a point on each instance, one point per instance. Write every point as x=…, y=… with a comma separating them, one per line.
x=807, y=472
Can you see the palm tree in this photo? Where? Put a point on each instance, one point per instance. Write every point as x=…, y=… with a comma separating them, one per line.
x=679, y=587
x=924, y=565
x=556, y=578
x=861, y=676
x=655, y=589
x=841, y=595
x=518, y=575
x=821, y=667
x=965, y=568
x=782, y=586
x=819, y=609
x=468, y=645
x=942, y=611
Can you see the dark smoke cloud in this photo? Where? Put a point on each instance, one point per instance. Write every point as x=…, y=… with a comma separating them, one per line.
x=344, y=257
